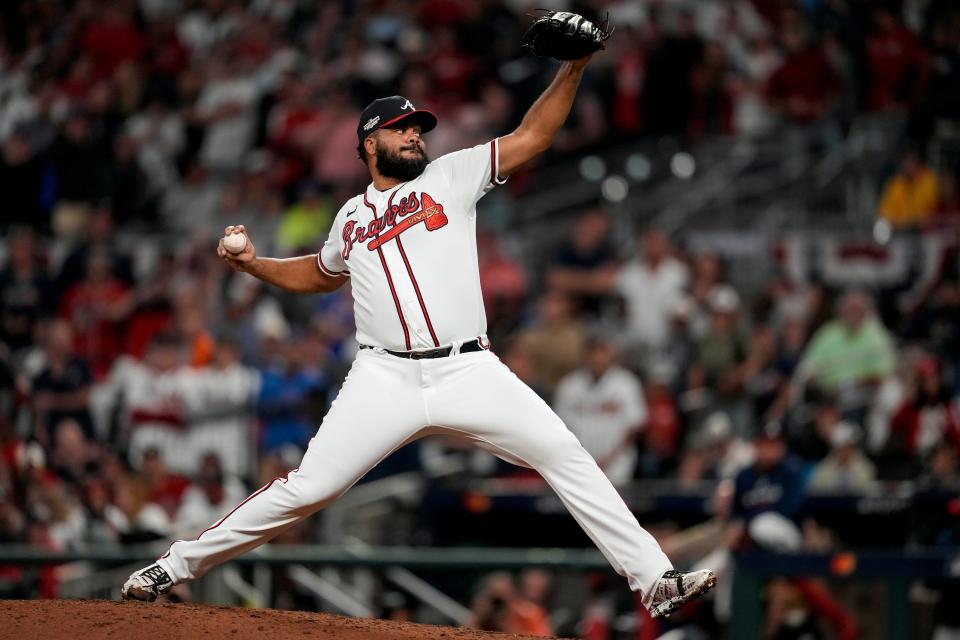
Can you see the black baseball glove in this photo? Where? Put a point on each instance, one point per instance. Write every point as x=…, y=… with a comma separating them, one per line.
x=565, y=36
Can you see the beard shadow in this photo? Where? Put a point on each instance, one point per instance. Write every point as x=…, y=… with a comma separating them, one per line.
x=393, y=165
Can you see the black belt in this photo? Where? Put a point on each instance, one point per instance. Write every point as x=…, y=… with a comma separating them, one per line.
x=442, y=352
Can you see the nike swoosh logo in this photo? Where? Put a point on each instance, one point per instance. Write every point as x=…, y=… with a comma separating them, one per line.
x=353, y=211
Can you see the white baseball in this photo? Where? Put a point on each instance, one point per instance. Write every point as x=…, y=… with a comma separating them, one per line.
x=235, y=242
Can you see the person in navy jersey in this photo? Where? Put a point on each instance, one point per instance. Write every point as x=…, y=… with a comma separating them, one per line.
x=775, y=482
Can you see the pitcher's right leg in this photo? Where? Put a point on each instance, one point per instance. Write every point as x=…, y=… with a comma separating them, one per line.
x=356, y=434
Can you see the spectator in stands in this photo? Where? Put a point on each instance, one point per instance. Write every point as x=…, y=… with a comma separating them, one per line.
x=846, y=469
x=95, y=307
x=162, y=487
x=555, y=340
x=306, y=223
x=100, y=235
x=21, y=181
x=928, y=417
x=803, y=91
x=584, y=263
x=660, y=440
x=798, y=607
x=292, y=127
x=62, y=389
x=935, y=525
x=193, y=201
x=603, y=405
x=503, y=283
x=712, y=105
x=911, y=196
x=132, y=516
x=761, y=372
x=160, y=136
x=726, y=454
x=226, y=108
x=26, y=293
x=896, y=69
x=149, y=400
x=775, y=482
x=72, y=455
x=128, y=185
x=813, y=442
x=80, y=157
x=211, y=496
x=680, y=348
x=753, y=66
x=720, y=353
x=290, y=385
x=498, y=607
x=851, y=354
x=933, y=324
x=650, y=286
x=667, y=99
x=708, y=273
x=113, y=38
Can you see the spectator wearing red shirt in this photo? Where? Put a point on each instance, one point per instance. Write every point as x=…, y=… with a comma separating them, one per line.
x=167, y=57
x=113, y=39
x=804, y=91
x=928, y=417
x=95, y=307
x=895, y=64
x=804, y=88
x=162, y=487
x=453, y=70
x=503, y=282
x=661, y=435
x=292, y=128
x=630, y=71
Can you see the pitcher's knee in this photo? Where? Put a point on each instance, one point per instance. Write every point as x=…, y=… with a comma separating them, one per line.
x=555, y=449
x=314, y=493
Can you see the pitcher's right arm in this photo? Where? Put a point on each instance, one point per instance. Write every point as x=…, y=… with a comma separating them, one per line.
x=301, y=274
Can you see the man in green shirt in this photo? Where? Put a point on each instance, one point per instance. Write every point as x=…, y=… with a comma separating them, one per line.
x=853, y=350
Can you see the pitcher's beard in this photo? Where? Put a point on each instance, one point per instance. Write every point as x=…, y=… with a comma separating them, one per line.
x=393, y=165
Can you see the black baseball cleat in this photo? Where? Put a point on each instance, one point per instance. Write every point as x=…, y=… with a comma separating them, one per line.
x=147, y=584
x=676, y=588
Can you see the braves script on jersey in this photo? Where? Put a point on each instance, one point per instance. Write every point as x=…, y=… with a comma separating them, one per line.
x=411, y=254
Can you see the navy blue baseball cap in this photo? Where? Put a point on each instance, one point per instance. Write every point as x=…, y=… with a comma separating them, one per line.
x=387, y=111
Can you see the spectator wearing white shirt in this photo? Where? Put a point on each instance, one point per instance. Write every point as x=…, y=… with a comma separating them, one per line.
x=651, y=285
x=227, y=108
x=210, y=498
x=160, y=136
x=603, y=405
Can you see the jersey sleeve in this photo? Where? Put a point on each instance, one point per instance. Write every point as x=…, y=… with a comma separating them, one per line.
x=329, y=259
x=472, y=172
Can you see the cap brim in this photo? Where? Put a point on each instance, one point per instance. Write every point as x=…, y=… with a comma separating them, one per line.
x=427, y=120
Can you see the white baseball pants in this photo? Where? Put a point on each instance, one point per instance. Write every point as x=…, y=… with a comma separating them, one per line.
x=387, y=402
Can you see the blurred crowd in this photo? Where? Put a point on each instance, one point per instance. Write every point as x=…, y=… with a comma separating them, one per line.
x=146, y=388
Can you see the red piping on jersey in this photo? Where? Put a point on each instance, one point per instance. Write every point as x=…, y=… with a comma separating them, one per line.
x=386, y=270
x=329, y=272
x=413, y=280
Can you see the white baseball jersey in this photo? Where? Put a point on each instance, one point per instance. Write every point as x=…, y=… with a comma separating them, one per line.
x=184, y=413
x=411, y=254
x=602, y=413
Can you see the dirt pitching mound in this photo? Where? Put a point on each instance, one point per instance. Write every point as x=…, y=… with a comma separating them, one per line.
x=103, y=620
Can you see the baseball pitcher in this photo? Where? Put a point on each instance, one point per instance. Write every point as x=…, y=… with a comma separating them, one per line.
x=407, y=244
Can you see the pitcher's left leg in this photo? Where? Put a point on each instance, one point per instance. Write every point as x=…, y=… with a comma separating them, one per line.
x=480, y=398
